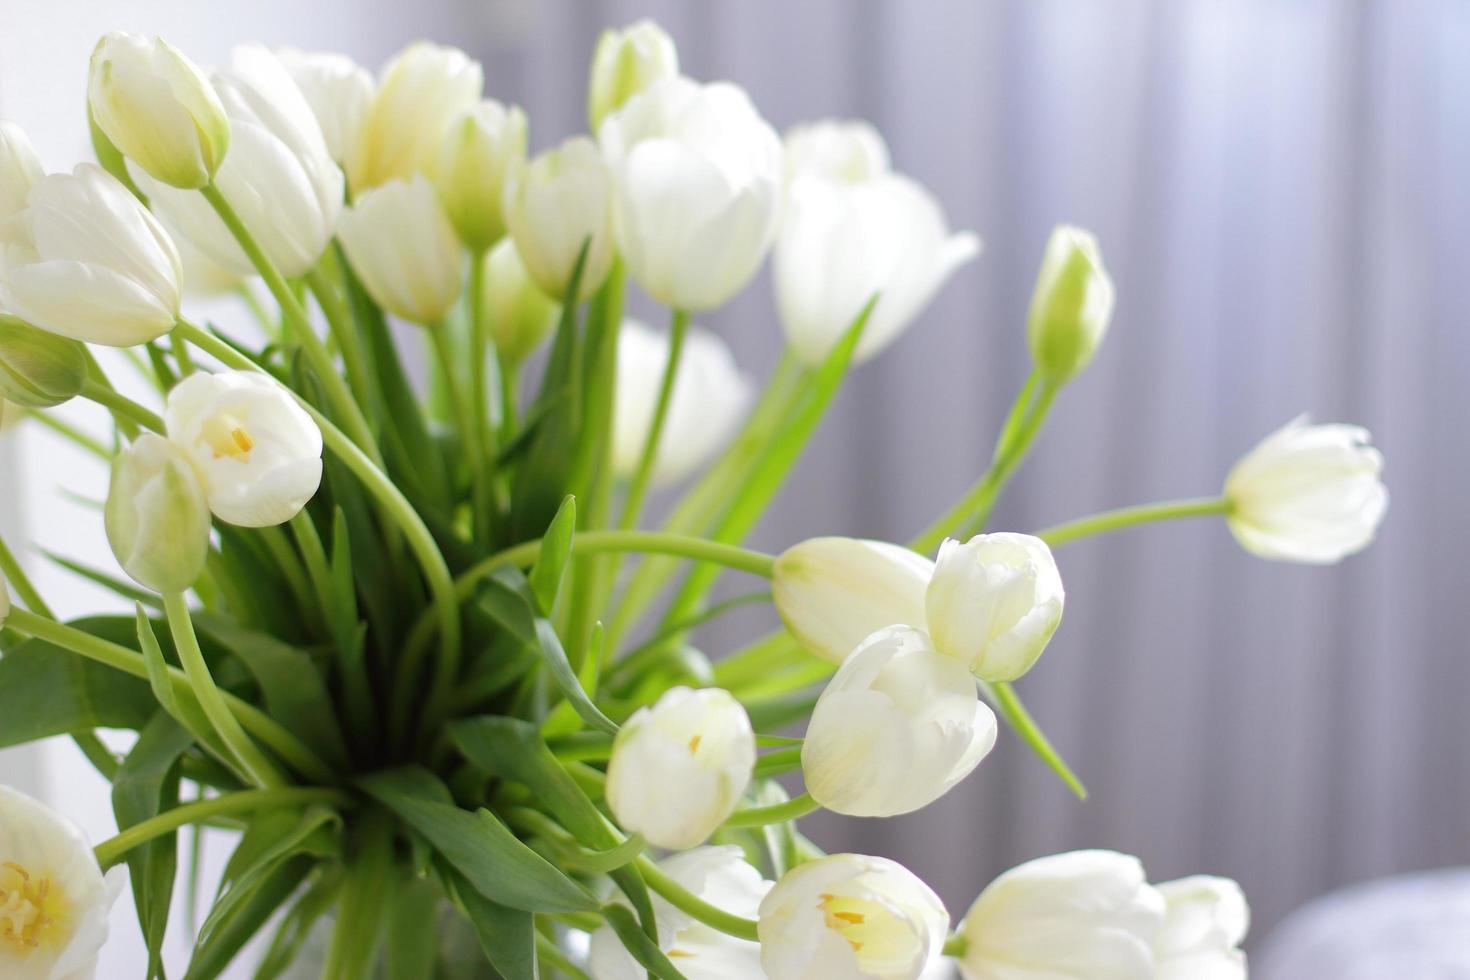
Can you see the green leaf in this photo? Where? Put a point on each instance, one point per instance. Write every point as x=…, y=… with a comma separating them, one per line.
x=232, y=932
x=247, y=563
x=546, y=575
x=507, y=935
x=643, y=949
x=112, y=583
x=183, y=707
x=350, y=633
x=411, y=937
x=1008, y=703
x=297, y=924
x=480, y=847
x=47, y=690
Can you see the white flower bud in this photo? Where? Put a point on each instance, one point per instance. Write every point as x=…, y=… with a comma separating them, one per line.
x=423, y=89
x=340, y=93
x=402, y=246
x=625, y=63
x=833, y=593
x=553, y=205
x=698, y=176
x=709, y=400
x=1308, y=493
x=38, y=369
x=157, y=517
x=840, y=243
x=1071, y=306
x=520, y=315
x=257, y=452
x=679, y=768
x=850, y=917
x=19, y=169
x=85, y=260
x=278, y=175
x=896, y=728
x=480, y=147
x=994, y=603
x=156, y=106
x=1205, y=922
x=718, y=875
x=1085, y=913
x=54, y=914
x=850, y=151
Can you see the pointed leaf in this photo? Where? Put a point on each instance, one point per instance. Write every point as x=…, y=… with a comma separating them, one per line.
x=507, y=935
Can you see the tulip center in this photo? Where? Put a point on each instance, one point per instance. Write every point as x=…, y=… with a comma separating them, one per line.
x=227, y=436
x=845, y=917
x=694, y=744
x=33, y=910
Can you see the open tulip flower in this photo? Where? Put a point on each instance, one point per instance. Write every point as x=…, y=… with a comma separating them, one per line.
x=411, y=631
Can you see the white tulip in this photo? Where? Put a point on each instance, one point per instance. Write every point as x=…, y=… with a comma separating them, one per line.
x=842, y=242
x=708, y=402
x=85, y=260
x=19, y=169
x=54, y=898
x=277, y=175
x=842, y=150
x=402, y=246
x=698, y=177
x=256, y=450
x=157, y=517
x=1082, y=914
x=897, y=727
x=156, y=106
x=340, y=93
x=520, y=315
x=625, y=63
x=833, y=593
x=480, y=147
x=423, y=89
x=994, y=603
x=679, y=768
x=1308, y=493
x=850, y=917
x=1205, y=922
x=718, y=875
x=1071, y=305
x=554, y=204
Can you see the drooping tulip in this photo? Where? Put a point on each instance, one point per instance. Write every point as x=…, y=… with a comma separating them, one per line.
x=157, y=517
x=1205, y=921
x=38, y=369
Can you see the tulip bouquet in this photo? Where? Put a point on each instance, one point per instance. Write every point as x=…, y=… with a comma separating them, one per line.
x=406, y=632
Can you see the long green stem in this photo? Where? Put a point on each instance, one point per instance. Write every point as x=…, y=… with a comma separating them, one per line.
x=226, y=725
x=1114, y=520
x=760, y=816
x=121, y=407
x=643, y=475
x=110, y=851
x=344, y=331
x=465, y=416
x=72, y=434
x=690, y=904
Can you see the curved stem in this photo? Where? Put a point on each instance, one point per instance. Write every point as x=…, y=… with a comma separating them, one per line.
x=111, y=851
x=339, y=319
x=690, y=904
x=760, y=816
x=638, y=486
x=1114, y=520
x=121, y=406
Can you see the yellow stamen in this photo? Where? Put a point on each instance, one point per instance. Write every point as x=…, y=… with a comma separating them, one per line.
x=32, y=912
x=839, y=919
x=694, y=743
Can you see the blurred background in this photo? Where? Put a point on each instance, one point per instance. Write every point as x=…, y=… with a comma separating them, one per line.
x=1280, y=190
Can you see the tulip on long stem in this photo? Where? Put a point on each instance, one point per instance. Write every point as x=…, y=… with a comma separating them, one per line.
x=638, y=485
x=1123, y=517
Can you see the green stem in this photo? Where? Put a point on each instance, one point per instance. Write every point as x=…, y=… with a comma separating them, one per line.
x=552, y=956
x=955, y=945
x=344, y=331
x=335, y=388
x=778, y=762
x=251, y=760
x=690, y=904
x=1114, y=520
x=638, y=485
x=510, y=395
x=121, y=407
x=72, y=433
x=760, y=816
x=464, y=413
x=110, y=851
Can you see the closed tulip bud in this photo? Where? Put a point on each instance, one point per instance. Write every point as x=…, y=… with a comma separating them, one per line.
x=520, y=315
x=38, y=369
x=402, y=246
x=1205, y=922
x=994, y=603
x=850, y=151
x=340, y=93
x=842, y=242
x=833, y=593
x=156, y=106
x=1082, y=914
x=850, y=917
x=1071, y=305
x=85, y=260
x=709, y=400
x=256, y=450
x=718, y=875
x=157, y=517
x=896, y=728
x=554, y=204
x=423, y=89
x=278, y=175
x=480, y=147
x=625, y=63
x=679, y=768
x=698, y=176
x=1308, y=493
x=53, y=918
x=19, y=169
